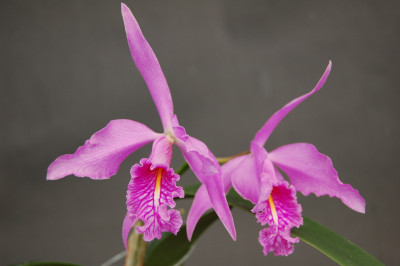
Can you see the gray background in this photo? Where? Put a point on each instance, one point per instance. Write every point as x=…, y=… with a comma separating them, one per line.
x=66, y=70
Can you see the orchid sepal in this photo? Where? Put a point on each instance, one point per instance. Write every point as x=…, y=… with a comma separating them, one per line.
x=101, y=155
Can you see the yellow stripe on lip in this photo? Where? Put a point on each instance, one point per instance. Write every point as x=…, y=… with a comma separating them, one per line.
x=273, y=209
x=158, y=188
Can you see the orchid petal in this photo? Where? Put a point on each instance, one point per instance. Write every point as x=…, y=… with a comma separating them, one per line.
x=150, y=193
x=161, y=152
x=202, y=203
x=127, y=225
x=312, y=172
x=282, y=213
x=103, y=153
x=253, y=179
x=278, y=175
x=267, y=178
x=228, y=169
x=246, y=180
x=148, y=65
x=205, y=166
x=264, y=133
x=265, y=171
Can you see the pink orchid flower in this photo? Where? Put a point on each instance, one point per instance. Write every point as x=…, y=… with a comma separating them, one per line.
x=257, y=178
x=153, y=184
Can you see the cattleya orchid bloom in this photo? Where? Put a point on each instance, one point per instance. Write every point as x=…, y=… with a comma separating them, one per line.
x=256, y=177
x=153, y=183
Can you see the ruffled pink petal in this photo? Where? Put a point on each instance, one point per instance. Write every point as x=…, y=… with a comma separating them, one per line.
x=312, y=172
x=263, y=134
x=148, y=65
x=144, y=204
x=276, y=238
x=151, y=191
x=103, y=153
x=202, y=203
x=205, y=166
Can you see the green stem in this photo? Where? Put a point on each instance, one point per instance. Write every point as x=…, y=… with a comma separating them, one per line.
x=223, y=160
x=184, y=167
x=136, y=248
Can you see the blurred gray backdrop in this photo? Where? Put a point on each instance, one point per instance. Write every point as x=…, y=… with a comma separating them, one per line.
x=66, y=71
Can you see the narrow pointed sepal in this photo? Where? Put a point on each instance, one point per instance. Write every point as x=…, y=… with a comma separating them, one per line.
x=148, y=65
x=207, y=169
x=264, y=133
x=202, y=203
